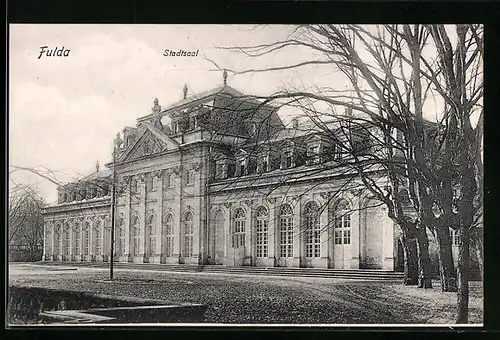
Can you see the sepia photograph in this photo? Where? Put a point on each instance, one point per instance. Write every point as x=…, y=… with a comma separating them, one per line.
x=245, y=175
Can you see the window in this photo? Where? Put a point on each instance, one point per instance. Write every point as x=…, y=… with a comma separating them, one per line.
x=121, y=237
x=287, y=162
x=87, y=240
x=78, y=237
x=312, y=227
x=313, y=155
x=242, y=167
x=167, y=180
x=67, y=240
x=455, y=237
x=188, y=235
x=154, y=183
x=261, y=229
x=286, y=231
x=133, y=186
x=98, y=240
x=189, y=177
x=219, y=170
x=342, y=233
x=65, y=199
x=169, y=236
x=337, y=152
x=238, y=239
x=136, y=232
x=263, y=163
x=151, y=227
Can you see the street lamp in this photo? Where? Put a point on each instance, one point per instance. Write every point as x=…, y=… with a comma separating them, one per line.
x=117, y=143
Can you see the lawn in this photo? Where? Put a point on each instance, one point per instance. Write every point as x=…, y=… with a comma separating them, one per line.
x=266, y=300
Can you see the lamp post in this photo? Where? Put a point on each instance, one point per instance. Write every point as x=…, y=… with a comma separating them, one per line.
x=117, y=142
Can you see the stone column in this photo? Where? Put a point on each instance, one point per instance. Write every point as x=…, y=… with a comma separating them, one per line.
x=60, y=252
x=44, y=257
x=126, y=218
x=91, y=248
x=297, y=237
x=227, y=232
x=271, y=232
x=249, y=258
x=388, y=243
x=355, y=232
x=178, y=237
x=70, y=245
x=142, y=219
x=159, y=220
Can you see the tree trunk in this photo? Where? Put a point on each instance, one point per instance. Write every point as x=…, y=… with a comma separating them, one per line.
x=410, y=262
x=424, y=260
x=447, y=272
x=479, y=250
x=463, y=275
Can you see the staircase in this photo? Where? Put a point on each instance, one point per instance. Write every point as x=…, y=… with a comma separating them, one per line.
x=358, y=274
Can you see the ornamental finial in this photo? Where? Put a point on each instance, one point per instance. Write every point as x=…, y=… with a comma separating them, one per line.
x=97, y=166
x=156, y=108
x=185, y=90
x=224, y=75
x=118, y=141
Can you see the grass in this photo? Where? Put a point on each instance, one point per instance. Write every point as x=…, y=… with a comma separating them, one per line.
x=269, y=300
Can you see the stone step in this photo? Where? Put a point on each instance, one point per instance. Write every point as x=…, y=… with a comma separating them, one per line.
x=364, y=274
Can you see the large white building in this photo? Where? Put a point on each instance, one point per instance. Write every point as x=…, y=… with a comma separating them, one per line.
x=219, y=179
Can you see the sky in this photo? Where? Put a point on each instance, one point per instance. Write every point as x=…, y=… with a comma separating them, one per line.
x=65, y=111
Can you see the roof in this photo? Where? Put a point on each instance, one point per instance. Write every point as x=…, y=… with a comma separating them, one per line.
x=226, y=89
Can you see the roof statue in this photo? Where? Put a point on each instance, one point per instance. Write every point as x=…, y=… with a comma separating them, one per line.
x=224, y=75
x=156, y=109
x=118, y=141
x=185, y=90
x=97, y=166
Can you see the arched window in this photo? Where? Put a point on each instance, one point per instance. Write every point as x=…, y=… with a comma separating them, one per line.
x=87, y=239
x=78, y=238
x=67, y=239
x=188, y=234
x=262, y=221
x=121, y=237
x=239, y=228
x=312, y=227
x=98, y=236
x=57, y=239
x=136, y=232
x=286, y=231
x=169, y=235
x=151, y=228
x=65, y=199
x=342, y=234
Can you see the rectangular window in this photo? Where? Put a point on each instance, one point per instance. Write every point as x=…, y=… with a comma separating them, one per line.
x=242, y=168
x=189, y=177
x=288, y=160
x=338, y=237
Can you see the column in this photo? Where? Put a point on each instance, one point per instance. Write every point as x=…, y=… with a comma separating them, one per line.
x=70, y=245
x=178, y=212
x=60, y=253
x=355, y=232
x=142, y=218
x=297, y=238
x=388, y=243
x=325, y=242
x=126, y=218
x=159, y=220
x=271, y=232
x=44, y=256
x=227, y=232
x=249, y=258
x=91, y=248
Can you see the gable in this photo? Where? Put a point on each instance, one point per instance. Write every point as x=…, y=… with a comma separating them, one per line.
x=146, y=145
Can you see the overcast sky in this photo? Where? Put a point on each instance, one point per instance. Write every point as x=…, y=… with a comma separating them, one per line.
x=65, y=111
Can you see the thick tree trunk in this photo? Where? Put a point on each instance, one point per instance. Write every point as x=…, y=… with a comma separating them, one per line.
x=410, y=262
x=447, y=272
x=424, y=260
x=463, y=276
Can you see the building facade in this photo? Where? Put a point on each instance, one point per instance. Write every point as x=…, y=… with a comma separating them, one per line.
x=219, y=179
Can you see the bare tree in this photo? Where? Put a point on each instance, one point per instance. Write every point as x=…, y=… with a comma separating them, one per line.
x=395, y=70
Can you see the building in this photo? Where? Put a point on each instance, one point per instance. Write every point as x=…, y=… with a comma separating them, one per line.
x=219, y=179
